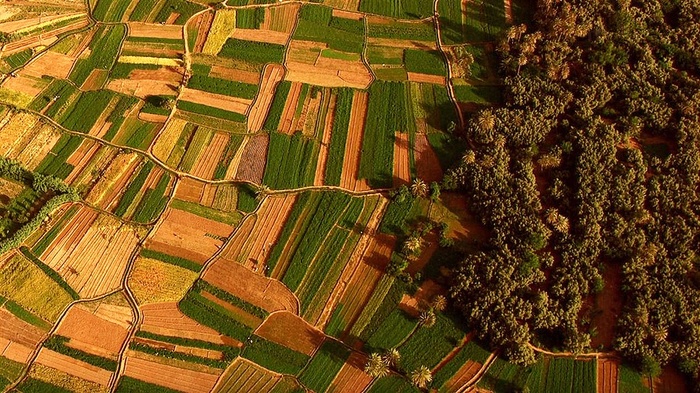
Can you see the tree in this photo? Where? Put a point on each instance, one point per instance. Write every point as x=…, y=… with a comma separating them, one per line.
x=262, y=191
x=376, y=367
x=419, y=189
x=439, y=303
x=427, y=318
x=412, y=245
x=391, y=357
x=421, y=377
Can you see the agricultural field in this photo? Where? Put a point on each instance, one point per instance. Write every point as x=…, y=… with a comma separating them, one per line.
x=249, y=196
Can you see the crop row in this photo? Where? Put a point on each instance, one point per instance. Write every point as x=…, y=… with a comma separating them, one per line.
x=471, y=351
x=231, y=218
x=275, y=113
x=306, y=198
x=223, y=86
x=392, y=331
x=210, y=111
x=201, y=138
x=110, y=10
x=400, y=9
x=427, y=346
x=33, y=385
x=339, y=137
x=273, y=356
x=324, y=366
x=153, y=201
x=228, y=352
x=186, y=357
x=252, y=309
x=55, y=162
x=291, y=161
x=46, y=240
x=317, y=273
x=211, y=314
x=133, y=385
x=386, y=307
x=255, y=52
x=173, y=260
x=234, y=143
x=133, y=189
x=405, y=31
x=424, y=62
x=316, y=23
x=104, y=49
x=250, y=18
x=49, y=272
x=58, y=343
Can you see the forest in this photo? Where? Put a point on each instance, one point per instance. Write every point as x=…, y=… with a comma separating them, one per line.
x=589, y=166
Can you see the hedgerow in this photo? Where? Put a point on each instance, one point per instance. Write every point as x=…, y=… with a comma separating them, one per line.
x=58, y=343
x=211, y=314
x=252, y=309
x=173, y=260
x=273, y=356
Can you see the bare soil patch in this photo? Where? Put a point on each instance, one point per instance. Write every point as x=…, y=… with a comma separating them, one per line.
x=427, y=163
x=220, y=101
x=286, y=124
x=347, y=14
x=351, y=378
x=211, y=156
x=607, y=375
x=670, y=381
x=349, y=179
x=166, y=319
x=142, y=88
x=183, y=380
x=269, y=36
x=289, y=330
x=87, y=331
x=253, y=160
x=17, y=336
x=330, y=73
x=402, y=163
x=23, y=84
x=52, y=64
x=162, y=74
x=155, y=30
x=233, y=74
x=272, y=75
x=203, y=23
x=73, y=367
x=426, y=78
x=609, y=302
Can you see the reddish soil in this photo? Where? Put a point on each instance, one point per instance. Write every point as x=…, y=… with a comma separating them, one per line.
x=153, y=117
x=427, y=163
x=330, y=73
x=353, y=147
x=203, y=23
x=465, y=374
x=9, y=27
x=287, y=123
x=609, y=301
x=402, y=163
x=183, y=380
x=431, y=243
x=50, y=63
x=73, y=367
x=23, y=84
x=220, y=101
x=253, y=160
x=13, y=351
x=413, y=305
x=466, y=226
x=272, y=75
x=607, y=375
x=17, y=338
x=142, y=88
x=253, y=288
x=347, y=14
x=80, y=251
x=291, y=331
x=211, y=156
x=155, y=30
x=253, y=242
x=236, y=75
x=670, y=381
x=166, y=319
x=509, y=11
x=189, y=236
x=269, y=36
x=162, y=74
x=426, y=78
x=396, y=43
x=189, y=190
x=91, y=333
x=325, y=142
x=95, y=81
x=351, y=378
x=42, y=39
x=172, y=18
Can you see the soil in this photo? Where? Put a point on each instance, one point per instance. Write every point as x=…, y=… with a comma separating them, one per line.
x=166, y=319
x=607, y=375
x=236, y=75
x=330, y=73
x=430, y=245
x=211, y=156
x=289, y=330
x=50, y=63
x=13, y=329
x=9, y=27
x=396, y=43
x=73, y=367
x=142, y=88
x=163, y=74
x=286, y=124
x=426, y=78
x=272, y=75
x=172, y=18
x=353, y=147
x=325, y=142
x=253, y=160
x=220, y=101
x=203, y=23
x=351, y=378
x=609, y=302
x=413, y=305
x=23, y=84
x=95, y=80
x=465, y=374
x=427, y=163
x=402, y=163
x=188, y=236
x=463, y=226
x=187, y=381
x=155, y=30
x=670, y=381
x=85, y=329
x=269, y=36
x=189, y=190
x=347, y=14
x=256, y=289
x=153, y=117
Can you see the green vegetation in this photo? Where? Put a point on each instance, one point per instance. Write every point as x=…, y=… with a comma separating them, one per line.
x=250, y=18
x=630, y=381
x=274, y=357
x=275, y=113
x=392, y=331
x=317, y=23
x=104, y=49
x=339, y=136
x=208, y=313
x=401, y=9
x=142, y=10
x=31, y=385
x=110, y=10
x=392, y=383
x=202, y=285
x=471, y=351
x=177, y=261
x=49, y=272
x=425, y=62
x=153, y=202
x=207, y=212
x=210, y=111
x=132, y=385
x=247, y=201
x=324, y=366
x=256, y=52
x=428, y=345
x=166, y=353
x=185, y=9
x=404, y=31
x=86, y=110
x=291, y=161
x=222, y=86
x=58, y=344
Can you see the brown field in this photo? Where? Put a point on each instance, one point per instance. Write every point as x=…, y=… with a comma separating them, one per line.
x=95, y=81
x=90, y=333
x=345, y=14
x=142, y=88
x=210, y=156
x=150, y=117
x=220, y=101
x=187, y=381
x=396, y=43
x=166, y=319
x=8, y=27
x=203, y=23
x=38, y=144
x=17, y=338
x=269, y=36
x=465, y=374
x=344, y=4
x=280, y=18
x=325, y=142
x=50, y=63
x=330, y=73
x=287, y=124
x=236, y=75
x=607, y=375
x=462, y=224
x=291, y=331
x=253, y=159
x=73, y=367
x=402, y=163
x=351, y=378
x=272, y=75
x=670, y=381
x=154, y=30
x=253, y=288
x=431, y=243
x=427, y=163
x=609, y=303
x=91, y=252
x=172, y=18
x=44, y=39
x=413, y=304
x=26, y=85
x=426, y=78
x=81, y=158
x=367, y=255
x=353, y=148
x=217, y=196
x=188, y=236
x=109, y=187
x=253, y=241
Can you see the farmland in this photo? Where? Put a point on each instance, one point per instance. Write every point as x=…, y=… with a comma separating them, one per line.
x=267, y=196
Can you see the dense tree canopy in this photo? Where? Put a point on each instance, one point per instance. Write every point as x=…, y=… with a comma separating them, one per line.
x=591, y=163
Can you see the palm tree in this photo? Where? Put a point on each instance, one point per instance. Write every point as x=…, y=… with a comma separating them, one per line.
x=439, y=303
x=391, y=357
x=427, y=318
x=419, y=188
x=412, y=245
x=486, y=121
x=376, y=367
x=421, y=377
